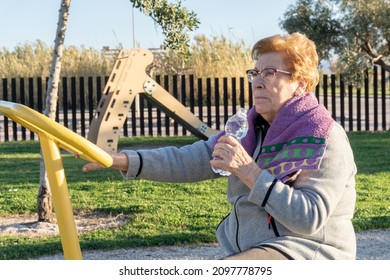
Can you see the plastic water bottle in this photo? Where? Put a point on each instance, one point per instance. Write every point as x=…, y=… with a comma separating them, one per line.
x=236, y=126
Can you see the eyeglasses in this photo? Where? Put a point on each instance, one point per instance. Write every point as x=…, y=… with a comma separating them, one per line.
x=267, y=74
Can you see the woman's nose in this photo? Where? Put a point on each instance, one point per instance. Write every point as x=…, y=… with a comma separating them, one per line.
x=257, y=83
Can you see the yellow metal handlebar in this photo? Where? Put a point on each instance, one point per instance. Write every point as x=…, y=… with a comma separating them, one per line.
x=64, y=137
x=54, y=136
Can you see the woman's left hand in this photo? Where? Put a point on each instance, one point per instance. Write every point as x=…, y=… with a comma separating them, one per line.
x=232, y=157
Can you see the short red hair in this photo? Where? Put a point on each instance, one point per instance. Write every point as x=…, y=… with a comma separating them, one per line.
x=300, y=55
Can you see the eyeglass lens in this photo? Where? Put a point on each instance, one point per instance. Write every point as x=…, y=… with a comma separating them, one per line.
x=267, y=74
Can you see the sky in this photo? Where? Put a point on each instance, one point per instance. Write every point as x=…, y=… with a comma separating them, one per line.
x=110, y=23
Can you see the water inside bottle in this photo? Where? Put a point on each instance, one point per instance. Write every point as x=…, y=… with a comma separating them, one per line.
x=236, y=126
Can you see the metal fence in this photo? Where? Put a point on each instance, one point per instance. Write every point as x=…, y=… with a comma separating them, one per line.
x=213, y=100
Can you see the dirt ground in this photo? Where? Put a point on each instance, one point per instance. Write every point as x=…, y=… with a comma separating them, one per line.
x=27, y=225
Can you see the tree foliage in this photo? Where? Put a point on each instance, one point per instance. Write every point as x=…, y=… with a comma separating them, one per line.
x=357, y=32
x=174, y=20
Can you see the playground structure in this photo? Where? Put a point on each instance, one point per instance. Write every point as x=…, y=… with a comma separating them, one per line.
x=128, y=79
x=54, y=136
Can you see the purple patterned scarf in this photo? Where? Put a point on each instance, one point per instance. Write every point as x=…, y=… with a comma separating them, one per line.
x=296, y=139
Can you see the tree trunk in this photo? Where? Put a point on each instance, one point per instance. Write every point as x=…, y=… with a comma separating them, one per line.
x=44, y=195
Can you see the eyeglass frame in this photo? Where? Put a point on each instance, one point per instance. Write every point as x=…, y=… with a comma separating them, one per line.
x=275, y=70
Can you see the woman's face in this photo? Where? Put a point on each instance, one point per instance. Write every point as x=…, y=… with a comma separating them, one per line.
x=269, y=97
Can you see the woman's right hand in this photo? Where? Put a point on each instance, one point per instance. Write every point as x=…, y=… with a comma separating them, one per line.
x=119, y=162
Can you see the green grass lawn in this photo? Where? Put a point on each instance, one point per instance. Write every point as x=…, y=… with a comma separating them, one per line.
x=372, y=155
x=161, y=213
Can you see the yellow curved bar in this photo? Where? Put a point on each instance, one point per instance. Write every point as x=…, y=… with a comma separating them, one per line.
x=61, y=199
x=64, y=137
x=53, y=136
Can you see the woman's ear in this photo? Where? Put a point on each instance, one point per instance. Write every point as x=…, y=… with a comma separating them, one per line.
x=301, y=88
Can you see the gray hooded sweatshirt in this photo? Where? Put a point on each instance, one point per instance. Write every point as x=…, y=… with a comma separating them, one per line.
x=308, y=219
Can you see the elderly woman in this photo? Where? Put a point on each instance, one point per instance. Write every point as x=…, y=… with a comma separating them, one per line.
x=292, y=186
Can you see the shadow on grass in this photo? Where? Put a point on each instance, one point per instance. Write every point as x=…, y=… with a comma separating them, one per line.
x=11, y=250
x=371, y=223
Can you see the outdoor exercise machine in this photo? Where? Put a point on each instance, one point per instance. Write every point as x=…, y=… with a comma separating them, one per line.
x=54, y=136
x=128, y=79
